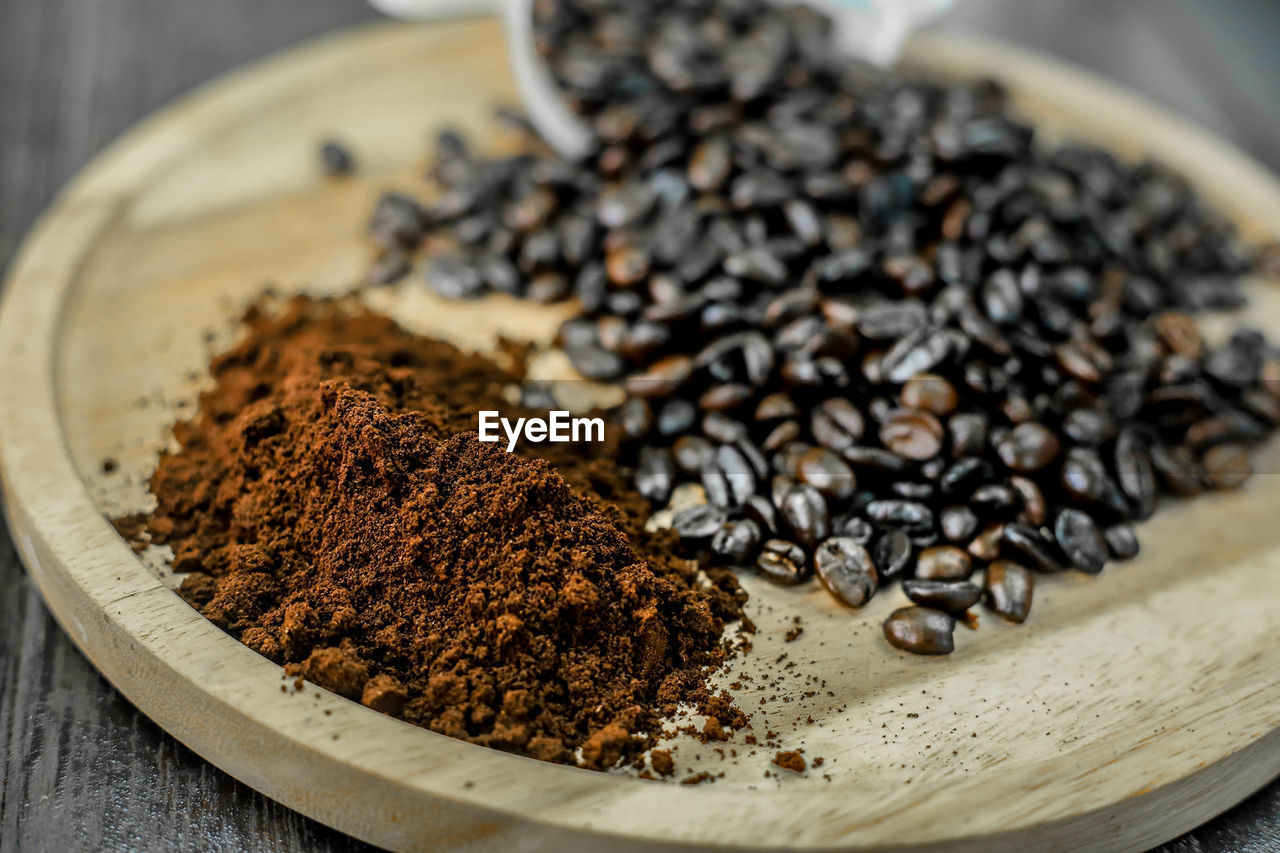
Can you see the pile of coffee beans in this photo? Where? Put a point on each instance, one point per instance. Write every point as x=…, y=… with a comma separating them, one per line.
x=889, y=335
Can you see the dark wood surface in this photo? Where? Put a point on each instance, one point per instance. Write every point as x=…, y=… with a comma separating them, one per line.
x=82, y=770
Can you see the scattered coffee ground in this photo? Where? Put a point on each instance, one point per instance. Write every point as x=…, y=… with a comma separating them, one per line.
x=889, y=333
x=792, y=761
x=331, y=509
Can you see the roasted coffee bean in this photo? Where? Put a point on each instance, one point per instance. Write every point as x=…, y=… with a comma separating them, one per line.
x=805, y=513
x=875, y=459
x=776, y=406
x=943, y=562
x=1178, y=471
x=986, y=545
x=912, y=433
x=1134, y=473
x=781, y=435
x=1028, y=447
x=1226, y=466
x=1008, y=588
x=763, y=512
x=783, y=563
x=930, y=393
x=716, y=485
x=951, y=596
x=1035, y=510
x=655, y=474
x=968, y=434
x=1031, y=543
x=1088, y=426
x=637, y=419
x=1080, y=540
x=738, y=471
x=723, y=428
x=912, y=515
x=958, y=523
x=736, y=542
x=845, y=568
x=918, y=352
x=852, y=527
x=595, y=363
x=921, y=630
x=965, y=475
x=676, y=417
x=827, y=473
x=692, y=452
x=892, y=553
x=837, y=424
x=454, y=278
x=698, y=523
x=663, y=377
x=1122, y=542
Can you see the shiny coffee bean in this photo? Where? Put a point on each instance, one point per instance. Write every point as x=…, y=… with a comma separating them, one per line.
x=951, y=596
x=930, y=393
x=736, y=542
x=783, y=563
x=921, y=630
x=1226, y=466
x=1028, y=447
x=958, y=523
x=762, y=511
x=912, y=433
x=943, y=562
x=852, y=527
x=827, y=473
x=892, y=554
x=845, y=568
x=1035, y=546
x=1008, y=589
x=698, y=523
x=1079, y=538
x=692, y=452
x=655, y=474
x=805, y=512
x=1122, y=541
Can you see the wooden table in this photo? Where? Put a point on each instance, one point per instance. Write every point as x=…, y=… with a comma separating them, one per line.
x=82, y=769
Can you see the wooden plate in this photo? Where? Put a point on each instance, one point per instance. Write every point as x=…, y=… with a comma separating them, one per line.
x=1132, y=707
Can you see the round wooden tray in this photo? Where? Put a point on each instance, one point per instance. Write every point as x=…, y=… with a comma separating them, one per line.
x=1132, y=707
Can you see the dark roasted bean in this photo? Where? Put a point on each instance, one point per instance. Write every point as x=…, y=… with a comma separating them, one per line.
x=1028, y=447
x=676, y=417
x=762, y=511
x=663, y=378
x=454, y=278
x=595, y=363
x=805, y=512
x=892, y=553
x=951, y=596
x=736, y=542
x=958, y=523
x=738, y=471
x=918, y=352
x=909, y=514
x=1008, y=589
x=929, y=392
x=692, y=452
x=698, y=523
x=637, y=418
x=655, y=474
x=943, y=562
x=1122, y=542
x=783, y=563
x=912, y=433
x=844, y=567
x=827, y=473
x=837, y=424
x=1034, y=545
x=853, y=527
x=1035, y=510
x=986, y=545
x=1226, y=466
x=968, y=434
x=723, y=428
x=1080, y=540
x=921, y=630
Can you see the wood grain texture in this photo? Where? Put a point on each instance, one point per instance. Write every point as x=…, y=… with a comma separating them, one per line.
x=83, y=771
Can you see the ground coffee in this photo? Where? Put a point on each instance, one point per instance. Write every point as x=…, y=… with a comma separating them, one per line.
x=331, y=509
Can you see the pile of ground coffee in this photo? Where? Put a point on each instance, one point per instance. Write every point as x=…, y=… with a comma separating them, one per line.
x=331, y=509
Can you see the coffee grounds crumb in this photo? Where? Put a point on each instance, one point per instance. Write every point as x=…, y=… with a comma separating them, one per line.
x=697, y=778
x=792, y=761
x=793, y=633
x=663, y=762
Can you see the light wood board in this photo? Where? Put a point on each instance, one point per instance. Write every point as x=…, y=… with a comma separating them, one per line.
x=1130, y=708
